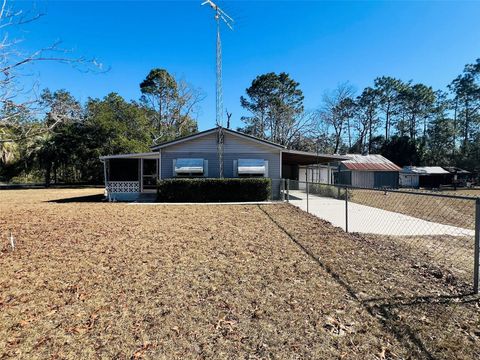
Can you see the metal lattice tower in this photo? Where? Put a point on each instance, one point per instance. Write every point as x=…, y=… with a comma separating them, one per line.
x=219, y=88
x=219, y=99
x=219, y=14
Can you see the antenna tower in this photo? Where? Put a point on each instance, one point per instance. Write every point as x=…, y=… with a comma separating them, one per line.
x=219, y=15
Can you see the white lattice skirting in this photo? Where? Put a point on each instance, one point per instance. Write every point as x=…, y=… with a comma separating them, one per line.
x=123, y=187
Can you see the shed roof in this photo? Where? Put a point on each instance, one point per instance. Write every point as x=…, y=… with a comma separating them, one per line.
x=424, y=170
x=360, y=162
x=456, y=170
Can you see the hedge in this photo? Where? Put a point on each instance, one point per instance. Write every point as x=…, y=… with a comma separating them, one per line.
x=213, y=190
x=325, y=190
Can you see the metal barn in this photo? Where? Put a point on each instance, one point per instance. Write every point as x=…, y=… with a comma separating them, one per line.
x=367, y=171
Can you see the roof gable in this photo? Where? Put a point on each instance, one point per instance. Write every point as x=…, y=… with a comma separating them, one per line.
x=211, y=131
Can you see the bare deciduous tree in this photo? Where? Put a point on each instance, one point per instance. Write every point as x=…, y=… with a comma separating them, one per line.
x=337, y=111
x=293, y=134
x=19, y=102
x=366, y=119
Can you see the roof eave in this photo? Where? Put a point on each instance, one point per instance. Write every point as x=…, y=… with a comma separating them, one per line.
x=130, y=156
x=209, y=131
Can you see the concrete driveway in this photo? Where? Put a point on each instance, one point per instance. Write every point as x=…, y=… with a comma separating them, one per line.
x=370, y=220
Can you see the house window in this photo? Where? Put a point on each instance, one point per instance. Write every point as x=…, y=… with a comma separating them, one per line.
x=190, y=167
x=251, y=168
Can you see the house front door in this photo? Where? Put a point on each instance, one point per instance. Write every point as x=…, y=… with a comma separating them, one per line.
x=149, y=174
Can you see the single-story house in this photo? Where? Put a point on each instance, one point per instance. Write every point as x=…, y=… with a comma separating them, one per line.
x=425, y=176
x=367, y=171
x=131, y=177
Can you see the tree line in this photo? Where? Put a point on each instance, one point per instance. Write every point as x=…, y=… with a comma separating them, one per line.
x=64, y=144
x=52, y=136
x=409, y=123
x=55, y=137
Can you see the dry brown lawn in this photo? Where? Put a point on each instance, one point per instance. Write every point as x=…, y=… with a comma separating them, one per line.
x=97, y=280
x=455, y=253
x=463, y=192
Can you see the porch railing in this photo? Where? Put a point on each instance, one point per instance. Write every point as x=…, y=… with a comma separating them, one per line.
x=123, y=186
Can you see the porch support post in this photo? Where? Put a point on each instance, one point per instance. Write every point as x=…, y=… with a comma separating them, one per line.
x=159, y=164
x=140, y=178
x=105, y=172
x=105, y=177
x=281, y=164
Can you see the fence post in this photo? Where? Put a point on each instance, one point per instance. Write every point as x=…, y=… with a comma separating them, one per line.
x=282, y=189
x=307, y=195
x=476, y=260
x=346, y=209
x=288, y=190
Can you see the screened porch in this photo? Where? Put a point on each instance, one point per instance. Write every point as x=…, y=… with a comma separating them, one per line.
x=127, y=176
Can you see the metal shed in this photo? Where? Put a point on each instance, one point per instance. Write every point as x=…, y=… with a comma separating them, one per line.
x=461, y=177
x=425, y=176
x=367, y=171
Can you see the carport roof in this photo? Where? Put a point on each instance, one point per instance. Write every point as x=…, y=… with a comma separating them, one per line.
x=296, y=157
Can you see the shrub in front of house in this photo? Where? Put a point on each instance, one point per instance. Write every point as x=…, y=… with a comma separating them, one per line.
x=213, y=190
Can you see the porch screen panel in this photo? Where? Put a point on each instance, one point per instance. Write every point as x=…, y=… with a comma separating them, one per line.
x=123, y=170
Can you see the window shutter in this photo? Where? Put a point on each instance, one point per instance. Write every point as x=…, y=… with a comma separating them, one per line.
x=205, y=168
x=266, y=169
x=174, y=174
x=235, y=168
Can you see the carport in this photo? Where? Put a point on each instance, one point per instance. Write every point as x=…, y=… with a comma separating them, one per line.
x=308, y=166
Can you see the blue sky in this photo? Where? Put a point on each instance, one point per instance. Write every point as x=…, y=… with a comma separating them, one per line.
x=321, y=44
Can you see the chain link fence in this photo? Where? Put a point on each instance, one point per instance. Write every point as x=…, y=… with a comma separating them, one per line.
x=438, y=229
